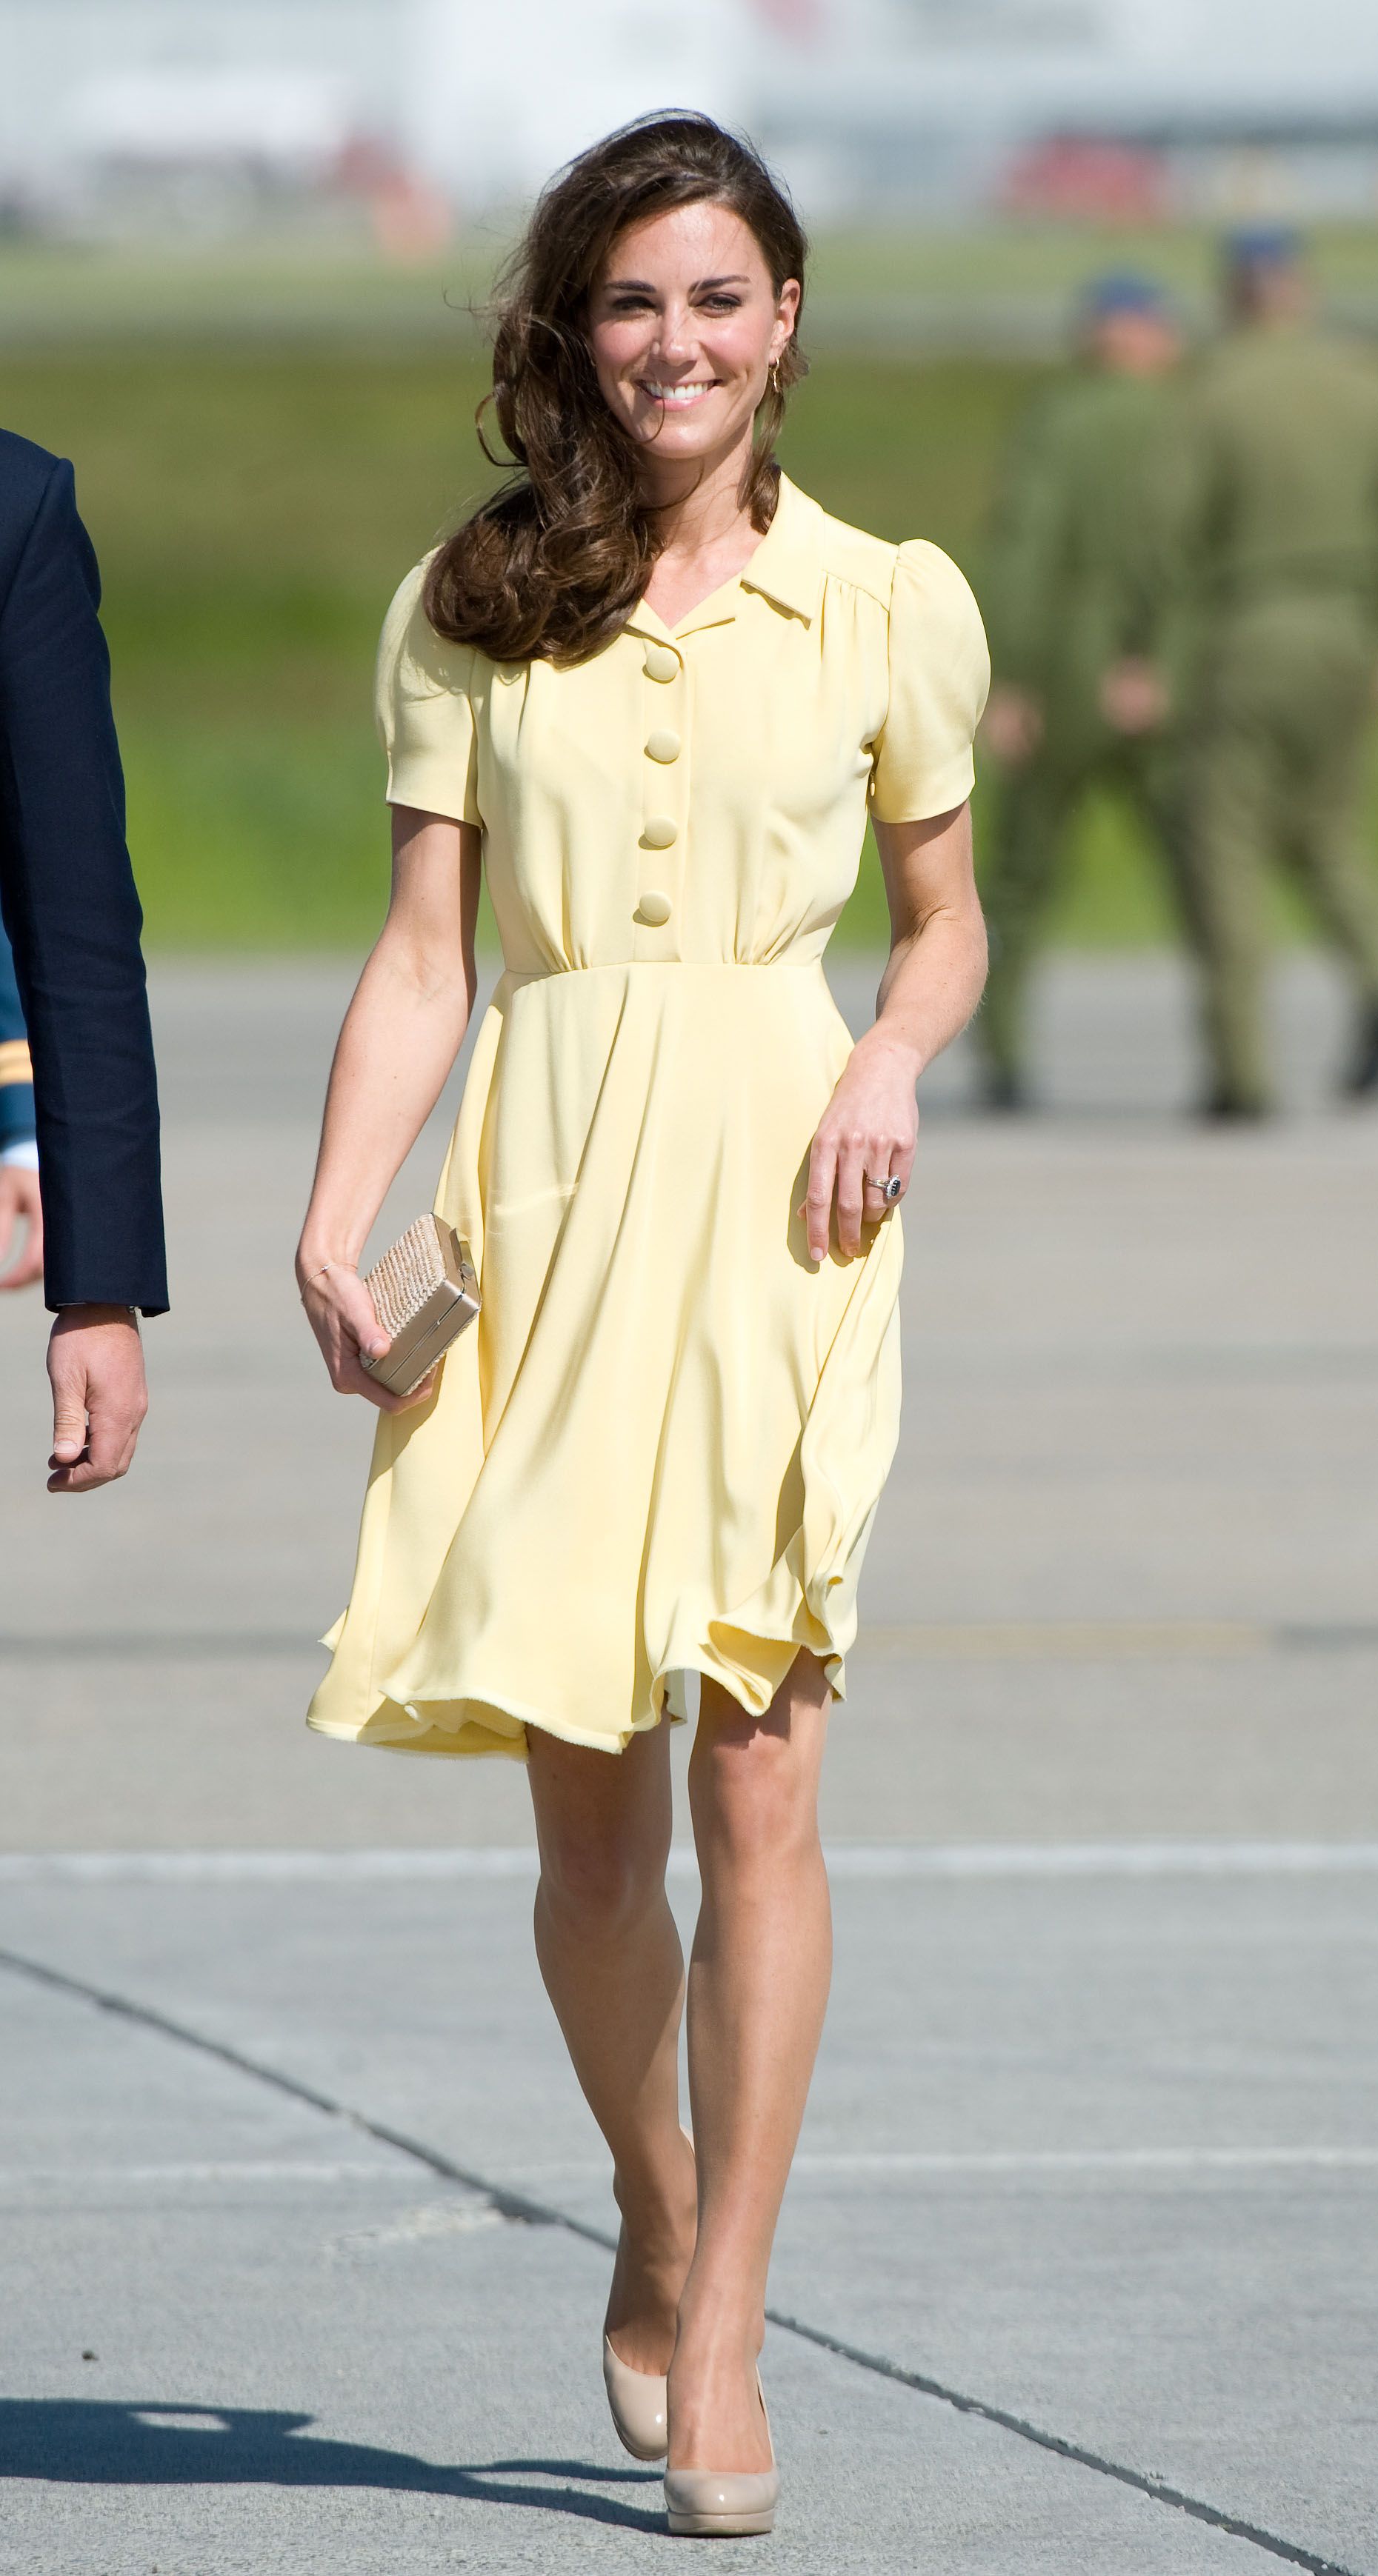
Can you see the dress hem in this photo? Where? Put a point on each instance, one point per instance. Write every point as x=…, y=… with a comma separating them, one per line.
x=445, y=1741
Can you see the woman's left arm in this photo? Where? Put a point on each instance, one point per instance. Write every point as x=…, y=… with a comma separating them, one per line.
x=932, y=983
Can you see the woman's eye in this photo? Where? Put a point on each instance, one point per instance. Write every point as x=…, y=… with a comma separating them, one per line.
x=722, y=303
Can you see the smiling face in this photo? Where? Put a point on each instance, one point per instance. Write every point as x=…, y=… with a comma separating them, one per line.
x=684, y=324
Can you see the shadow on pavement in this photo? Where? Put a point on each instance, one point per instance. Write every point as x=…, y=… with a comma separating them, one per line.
x=89, y=2443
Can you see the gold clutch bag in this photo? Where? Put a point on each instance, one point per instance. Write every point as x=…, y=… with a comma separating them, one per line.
x=425, y=1294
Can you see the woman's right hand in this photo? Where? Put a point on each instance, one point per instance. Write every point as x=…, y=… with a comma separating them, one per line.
x=342, y=1317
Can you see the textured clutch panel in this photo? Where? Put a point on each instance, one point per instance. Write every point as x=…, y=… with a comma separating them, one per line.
x=424, y=1292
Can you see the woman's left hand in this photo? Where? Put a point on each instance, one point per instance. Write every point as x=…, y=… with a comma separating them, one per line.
x=868, y=1135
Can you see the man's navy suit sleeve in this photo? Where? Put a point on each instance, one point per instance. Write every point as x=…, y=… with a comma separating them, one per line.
x=73, y=917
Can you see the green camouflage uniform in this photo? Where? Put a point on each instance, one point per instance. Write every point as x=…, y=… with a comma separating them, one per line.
x=1074, y=583
x=1277, y=577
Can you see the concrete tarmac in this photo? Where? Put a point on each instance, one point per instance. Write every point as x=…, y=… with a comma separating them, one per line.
x=299, y=2204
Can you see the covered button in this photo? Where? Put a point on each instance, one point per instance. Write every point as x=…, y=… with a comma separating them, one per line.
x=662, y=744
x=661, y=663
x=660, y=832
x=655, y=909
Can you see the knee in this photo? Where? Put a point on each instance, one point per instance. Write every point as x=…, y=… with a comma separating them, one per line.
x=599, y=1887
x=756, y=1800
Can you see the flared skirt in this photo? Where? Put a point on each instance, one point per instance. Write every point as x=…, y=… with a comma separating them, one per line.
x=660, y=1449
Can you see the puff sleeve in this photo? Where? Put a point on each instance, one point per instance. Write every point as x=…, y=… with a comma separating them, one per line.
x=423, y=702
x=939, y=675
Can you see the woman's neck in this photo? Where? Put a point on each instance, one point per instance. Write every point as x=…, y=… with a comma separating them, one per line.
x=698, y=504
x=708, y=536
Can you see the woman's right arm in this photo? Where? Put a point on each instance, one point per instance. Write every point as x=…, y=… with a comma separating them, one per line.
x=400, y=1037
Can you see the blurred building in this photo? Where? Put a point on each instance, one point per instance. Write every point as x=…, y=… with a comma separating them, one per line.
x=183, y=116
x=210, y=114
x=1097, y=109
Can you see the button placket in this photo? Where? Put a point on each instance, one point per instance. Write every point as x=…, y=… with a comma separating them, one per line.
x=663, y=799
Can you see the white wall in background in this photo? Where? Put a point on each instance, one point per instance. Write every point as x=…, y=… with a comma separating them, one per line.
x=56, y=55
x=490, y=95
x=500, y=92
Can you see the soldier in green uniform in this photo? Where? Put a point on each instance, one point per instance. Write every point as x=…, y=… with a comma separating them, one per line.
x=1072, y=581
x=1277, y=577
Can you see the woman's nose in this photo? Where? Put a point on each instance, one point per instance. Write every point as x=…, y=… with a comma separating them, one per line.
x=675, y=338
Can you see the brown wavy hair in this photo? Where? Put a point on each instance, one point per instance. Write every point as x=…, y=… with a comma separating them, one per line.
x=554, y=563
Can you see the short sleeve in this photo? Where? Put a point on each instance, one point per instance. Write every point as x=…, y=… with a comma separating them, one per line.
x=424, y=706
x=939, y=675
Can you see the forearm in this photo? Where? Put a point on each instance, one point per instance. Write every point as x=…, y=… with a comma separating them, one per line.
x=932, y=983
x=400, y=1037
x=863, y=1151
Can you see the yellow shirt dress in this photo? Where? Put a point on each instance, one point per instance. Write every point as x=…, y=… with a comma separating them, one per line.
x=661, y=1447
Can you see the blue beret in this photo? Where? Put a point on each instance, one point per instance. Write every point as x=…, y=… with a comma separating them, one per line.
x=1121, y=291
x=1263, y=246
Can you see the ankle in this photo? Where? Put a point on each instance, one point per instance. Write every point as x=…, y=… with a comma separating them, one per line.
x=654, y=2198
x=656, y=2249
x=712, y=2339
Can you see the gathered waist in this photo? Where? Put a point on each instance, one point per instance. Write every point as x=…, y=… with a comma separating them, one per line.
x=725, y=1002
x=791, y=969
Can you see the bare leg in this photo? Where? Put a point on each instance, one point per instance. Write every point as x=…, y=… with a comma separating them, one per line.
x=614, y=1971
x=758, y=1990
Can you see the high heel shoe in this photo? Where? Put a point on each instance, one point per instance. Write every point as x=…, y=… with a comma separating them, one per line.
x=639, y=2406
x=724, y=2504
x=637, y=2399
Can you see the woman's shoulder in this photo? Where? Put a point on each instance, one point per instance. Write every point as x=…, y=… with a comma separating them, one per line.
x=406, y=608
x=894, y=575
x=409, y=644
x=932, y=591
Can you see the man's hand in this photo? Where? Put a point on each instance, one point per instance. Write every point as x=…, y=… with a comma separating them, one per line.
x=1134, y=697
x=1012, y=726
x=20, y=1204
x=100, y=1396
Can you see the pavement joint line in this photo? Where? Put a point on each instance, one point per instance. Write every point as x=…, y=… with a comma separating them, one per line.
x=846, y=1861
x=526, y=2212
x=513, y=2205
x=997, y=1640
x=1090, y=2160
x=267, y=2169
x=1157, y=2489
x=822, y=2163
x=1033, y=2161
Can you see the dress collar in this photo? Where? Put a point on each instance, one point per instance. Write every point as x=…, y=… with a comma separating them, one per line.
x=788, y=563
x=787, y=569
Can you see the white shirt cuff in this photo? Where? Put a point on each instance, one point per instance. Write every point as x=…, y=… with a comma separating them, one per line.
x=22, y=1155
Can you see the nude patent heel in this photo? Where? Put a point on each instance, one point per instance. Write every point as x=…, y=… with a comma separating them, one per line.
x=639, y=2406
x=724, y=2504
x=637, y=2400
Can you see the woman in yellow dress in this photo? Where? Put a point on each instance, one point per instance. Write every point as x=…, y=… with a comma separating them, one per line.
x=651, y=692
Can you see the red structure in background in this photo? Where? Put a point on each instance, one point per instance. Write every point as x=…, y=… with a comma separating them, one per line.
x=410, y=219
x=798, y=18
x=1078, y=179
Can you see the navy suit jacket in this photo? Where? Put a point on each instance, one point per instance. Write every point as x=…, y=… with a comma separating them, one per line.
x=69, y=905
